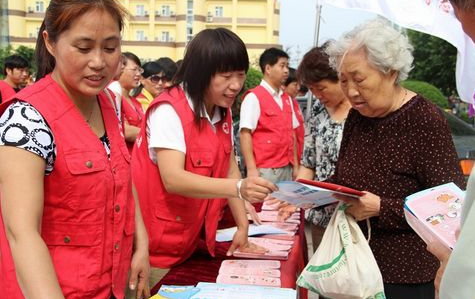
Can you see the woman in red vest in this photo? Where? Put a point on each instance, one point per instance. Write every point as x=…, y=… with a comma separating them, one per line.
x=188, y=135
x=291, y=87
x=132, y=112
x=68, y=215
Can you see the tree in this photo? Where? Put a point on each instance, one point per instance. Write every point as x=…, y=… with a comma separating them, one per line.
x=434, y=61
x=25, y=52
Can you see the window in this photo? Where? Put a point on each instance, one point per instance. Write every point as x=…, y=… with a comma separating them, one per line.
x=165, y=36
x=218, y=12
x=166, y=10
x=39, y=6
x=189, y=34
x=140, y=10
x=189, y=20
x=140, y=35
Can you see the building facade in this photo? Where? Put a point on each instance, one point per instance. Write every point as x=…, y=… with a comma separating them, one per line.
x=158, y=28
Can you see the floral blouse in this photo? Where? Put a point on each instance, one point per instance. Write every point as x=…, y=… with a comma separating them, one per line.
x=321, y=146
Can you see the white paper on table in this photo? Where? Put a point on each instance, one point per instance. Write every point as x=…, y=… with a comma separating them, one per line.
x=225, y=235
x=233, y=291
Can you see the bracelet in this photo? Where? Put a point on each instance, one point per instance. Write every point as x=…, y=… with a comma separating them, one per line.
x=238, y=187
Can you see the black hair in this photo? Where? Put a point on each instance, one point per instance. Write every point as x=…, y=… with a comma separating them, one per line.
x=151, y=68
x=315, y=67
x=210, y=52
x=270, y=57
x=14, y=62
x=168, y=66
x=133, y=57
x=292, y=76
x=464, y=5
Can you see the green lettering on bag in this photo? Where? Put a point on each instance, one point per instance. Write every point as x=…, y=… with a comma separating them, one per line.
x=313, y=268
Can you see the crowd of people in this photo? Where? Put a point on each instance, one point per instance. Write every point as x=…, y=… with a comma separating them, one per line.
x=128, y=165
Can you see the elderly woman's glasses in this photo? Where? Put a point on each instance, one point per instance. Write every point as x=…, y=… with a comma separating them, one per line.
x=157, y=78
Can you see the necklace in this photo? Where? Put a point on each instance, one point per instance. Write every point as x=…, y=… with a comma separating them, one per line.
x=90, y=114
x=403, y=101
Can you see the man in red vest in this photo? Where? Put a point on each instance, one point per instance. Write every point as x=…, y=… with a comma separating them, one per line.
x=267, y=122
x=16, y=72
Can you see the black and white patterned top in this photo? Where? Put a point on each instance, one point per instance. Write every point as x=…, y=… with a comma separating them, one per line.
x=321, y=146
x=22, y=126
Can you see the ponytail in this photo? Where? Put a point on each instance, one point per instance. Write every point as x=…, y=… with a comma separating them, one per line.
x=44, y=60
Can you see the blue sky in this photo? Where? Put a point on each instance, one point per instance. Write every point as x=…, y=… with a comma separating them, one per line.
x=297, y=25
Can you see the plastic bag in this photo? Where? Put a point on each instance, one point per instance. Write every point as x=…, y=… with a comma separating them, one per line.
x=343, y=267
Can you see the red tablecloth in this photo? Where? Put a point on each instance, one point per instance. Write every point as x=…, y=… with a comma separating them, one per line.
x=202, y=267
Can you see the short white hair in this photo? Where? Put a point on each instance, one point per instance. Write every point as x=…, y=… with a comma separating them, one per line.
x=386, y=48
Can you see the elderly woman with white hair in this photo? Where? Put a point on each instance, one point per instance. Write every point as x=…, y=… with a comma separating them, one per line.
x=394, y=143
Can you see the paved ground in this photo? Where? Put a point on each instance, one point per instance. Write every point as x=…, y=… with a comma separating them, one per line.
x=464, y=145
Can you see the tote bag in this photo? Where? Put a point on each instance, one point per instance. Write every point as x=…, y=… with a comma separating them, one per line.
x=343, y=267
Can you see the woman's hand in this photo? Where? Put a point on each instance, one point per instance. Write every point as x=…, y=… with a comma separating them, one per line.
x=139, y=273
x=361, y=208
x=240, y=241
x=252, y=212
x=256, y=189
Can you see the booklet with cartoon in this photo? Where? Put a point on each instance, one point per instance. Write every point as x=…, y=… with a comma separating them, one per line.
x=308, y=194
x=434, y=213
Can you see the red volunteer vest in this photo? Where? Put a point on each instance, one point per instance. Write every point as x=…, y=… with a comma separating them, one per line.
x=88, y=217
x=300, y=130
x=272, y=140
x=133, y=114
x=6, y=91
x=174, y=222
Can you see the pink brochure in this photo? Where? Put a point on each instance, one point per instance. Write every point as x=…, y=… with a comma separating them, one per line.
x=249, y=271
x=289, y=237
x=249, y=280
x=270, y=255
x=243, y=264
x=434, y=214
x=273, y=216
x=272, y=243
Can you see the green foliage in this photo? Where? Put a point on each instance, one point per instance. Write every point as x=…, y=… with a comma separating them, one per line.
x=428, y=91
x=434, y=61
x=25, y=52
x=253, y=78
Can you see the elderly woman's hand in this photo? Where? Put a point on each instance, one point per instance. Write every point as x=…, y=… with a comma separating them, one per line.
x=443, y=254
x=361, y=208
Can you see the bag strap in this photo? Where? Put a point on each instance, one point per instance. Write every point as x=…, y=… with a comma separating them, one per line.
x=342, y=206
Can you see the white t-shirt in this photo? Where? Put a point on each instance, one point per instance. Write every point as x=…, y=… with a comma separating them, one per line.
x=116, y=89
x=251, y=111
x=165, y=130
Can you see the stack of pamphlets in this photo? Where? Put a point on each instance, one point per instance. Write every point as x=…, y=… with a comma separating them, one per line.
x=250, y=272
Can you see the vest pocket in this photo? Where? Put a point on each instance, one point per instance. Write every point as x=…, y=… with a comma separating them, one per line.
x=87, y=170
x=201, y=162
x=170, y=232
x=76, y=250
